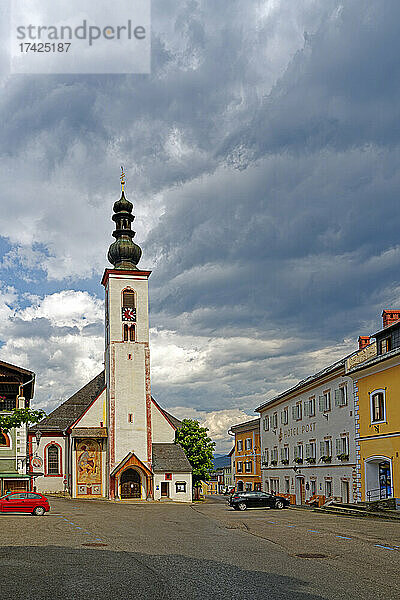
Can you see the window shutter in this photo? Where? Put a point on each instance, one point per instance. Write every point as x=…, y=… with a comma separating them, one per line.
x=344, y=395
x=322, y=448
x=282, y=417
x=308, y=450
x=321, y=401
x=338, y=446
x=293, y=412
x=306, y=408
x=295, y=451
x=337, y=398
x=282, y=455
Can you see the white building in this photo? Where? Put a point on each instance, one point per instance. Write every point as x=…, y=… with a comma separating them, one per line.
x=307, y=439
x=111, y=438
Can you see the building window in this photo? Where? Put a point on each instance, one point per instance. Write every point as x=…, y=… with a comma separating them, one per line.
x=180, y=486
x=274, y=456
x=342, y=448
x=4, y=439
x=128, y=299
x=265, y=461
x=341, y=396
x=325, y=402
x=130, y=418
x=248, y=487
x=285, y=455
x=287, y=485
x=239, y=445
x=298, y=453
x=248, y=466
x=378, y=406
x=311, y=452
x=53, y=460
x=274, y=486
x=285, y=416
x=326, y=450
x=248, y=444
x=313, y=487
x=275, y=420
x=266, y=485
x=239, y=467
x=385, y=345
x=296, y=411
x=129, y=333
x=328, y=488
x=309, y=407
x=168, y=476
x=266, y=423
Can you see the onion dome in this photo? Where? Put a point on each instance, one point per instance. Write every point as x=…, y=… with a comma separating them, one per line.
x=123, y=253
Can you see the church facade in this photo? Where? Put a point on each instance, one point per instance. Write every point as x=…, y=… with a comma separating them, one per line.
x=111, y=438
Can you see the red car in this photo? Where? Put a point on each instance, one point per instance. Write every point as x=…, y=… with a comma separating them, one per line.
x=27, y=502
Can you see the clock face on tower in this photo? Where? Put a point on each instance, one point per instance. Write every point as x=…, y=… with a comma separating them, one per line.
x=129, y=314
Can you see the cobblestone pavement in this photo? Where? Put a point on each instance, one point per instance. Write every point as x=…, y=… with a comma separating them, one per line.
x=95, y=549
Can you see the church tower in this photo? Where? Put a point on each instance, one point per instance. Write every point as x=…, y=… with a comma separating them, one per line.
x=127, y=355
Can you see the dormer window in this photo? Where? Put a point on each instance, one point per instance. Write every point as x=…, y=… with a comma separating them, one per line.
x=385, y=345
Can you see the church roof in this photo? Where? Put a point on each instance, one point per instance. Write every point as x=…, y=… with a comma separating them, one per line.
x=170, y=458
x=69, y=411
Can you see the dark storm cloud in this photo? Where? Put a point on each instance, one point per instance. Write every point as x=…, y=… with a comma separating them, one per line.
x=262, y=157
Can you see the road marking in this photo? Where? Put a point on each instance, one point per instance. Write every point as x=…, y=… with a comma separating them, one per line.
x=343, y=537
x=384, y=547
x=313, y=531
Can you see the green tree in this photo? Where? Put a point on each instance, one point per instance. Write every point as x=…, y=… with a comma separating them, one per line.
x=198, y=448
x=20, y=416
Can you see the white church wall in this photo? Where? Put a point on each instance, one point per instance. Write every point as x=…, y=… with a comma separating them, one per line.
x=162, y=431
x=95, y=415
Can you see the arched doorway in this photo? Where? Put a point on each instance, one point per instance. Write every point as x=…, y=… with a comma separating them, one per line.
x=240, y=486
x=378, y=478
x=130, y=484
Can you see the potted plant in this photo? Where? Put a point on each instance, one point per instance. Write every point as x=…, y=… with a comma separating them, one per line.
x=326, y=459
x=298, y=460
x=285, y=461
x=274, y=463
x=343, y=456
x=310, y=460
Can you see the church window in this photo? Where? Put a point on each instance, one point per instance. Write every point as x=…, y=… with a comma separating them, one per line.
x=53, y=460
x=128, y=299
x=129, y=334
x=180, y=486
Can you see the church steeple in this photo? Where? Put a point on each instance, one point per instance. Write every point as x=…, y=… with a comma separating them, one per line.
x=123, y=253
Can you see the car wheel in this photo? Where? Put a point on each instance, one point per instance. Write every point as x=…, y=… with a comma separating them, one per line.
x=279, y=504
x=39, y=511
x=242, y=506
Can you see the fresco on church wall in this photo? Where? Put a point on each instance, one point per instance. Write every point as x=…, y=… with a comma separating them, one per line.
x=88, y=467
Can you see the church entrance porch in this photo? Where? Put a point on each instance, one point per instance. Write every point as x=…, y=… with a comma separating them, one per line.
x=130, y=484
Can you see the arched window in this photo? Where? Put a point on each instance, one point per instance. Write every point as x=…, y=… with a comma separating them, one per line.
x=53, y=460
x=4, y=439
x=128, y=299
x=129, y=333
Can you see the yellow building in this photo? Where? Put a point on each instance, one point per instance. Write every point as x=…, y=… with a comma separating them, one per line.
x=375, y=370
x=247, y=455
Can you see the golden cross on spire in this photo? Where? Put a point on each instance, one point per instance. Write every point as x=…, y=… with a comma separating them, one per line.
x=122, y=177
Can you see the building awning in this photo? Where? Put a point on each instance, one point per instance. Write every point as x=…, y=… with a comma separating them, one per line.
x=89, y=432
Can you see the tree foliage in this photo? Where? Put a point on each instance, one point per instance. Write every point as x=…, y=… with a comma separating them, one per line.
x=198, y=448
x=19, y=417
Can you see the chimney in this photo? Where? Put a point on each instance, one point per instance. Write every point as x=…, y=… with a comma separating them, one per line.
x=363, y=341
x=390, y=316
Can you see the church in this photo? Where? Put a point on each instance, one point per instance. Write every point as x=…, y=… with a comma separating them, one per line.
x=111, y=439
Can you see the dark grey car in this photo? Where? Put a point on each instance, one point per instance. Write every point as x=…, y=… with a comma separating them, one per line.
x=244, y=500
